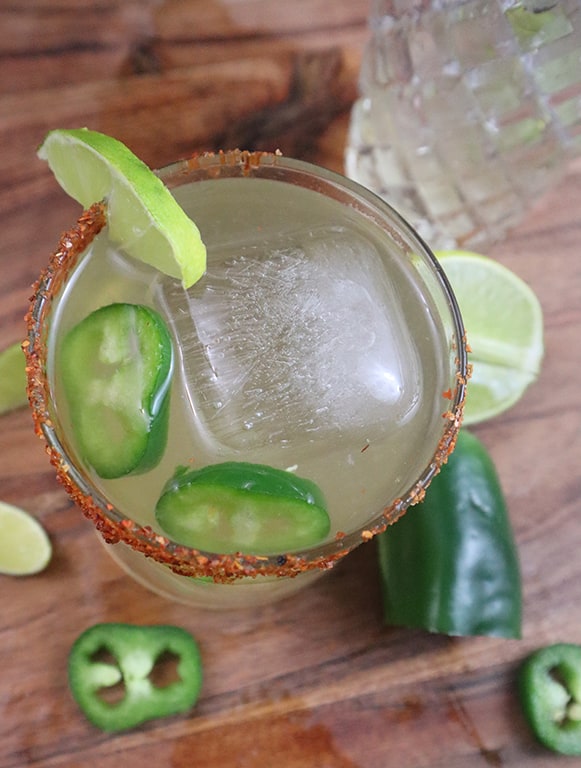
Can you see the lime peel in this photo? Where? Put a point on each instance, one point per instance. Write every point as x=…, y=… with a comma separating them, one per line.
x=25, y=547
x=12, y=378
x=504, y=325
x=143, y=216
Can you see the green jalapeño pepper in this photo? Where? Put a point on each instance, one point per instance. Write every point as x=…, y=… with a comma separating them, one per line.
x=239, y=506
x=450, y=564
x=124, y=656
x=550, y=691
x=116, y=367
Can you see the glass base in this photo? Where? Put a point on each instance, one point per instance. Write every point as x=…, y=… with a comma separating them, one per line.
x=199, y=593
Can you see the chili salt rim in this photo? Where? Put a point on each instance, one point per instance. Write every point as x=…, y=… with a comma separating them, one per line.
x=115, y=527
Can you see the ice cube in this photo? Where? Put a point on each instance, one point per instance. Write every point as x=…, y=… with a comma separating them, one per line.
x=297, y=339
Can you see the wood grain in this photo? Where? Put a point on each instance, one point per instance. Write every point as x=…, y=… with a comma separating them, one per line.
x=316, y=680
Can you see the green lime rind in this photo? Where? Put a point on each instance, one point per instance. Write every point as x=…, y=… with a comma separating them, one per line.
x=142, y=215
x=12, y=379
x=25, y=547
x=504, y=326
x=242, y=507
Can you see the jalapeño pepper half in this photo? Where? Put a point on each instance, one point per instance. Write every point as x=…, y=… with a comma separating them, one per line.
x=550, y=691
x=450, y=565
x=109, y=655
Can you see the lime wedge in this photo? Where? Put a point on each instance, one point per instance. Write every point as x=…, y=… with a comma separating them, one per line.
x=504, y=326
x=12, y=378
x=143, y=217
x=25, y=548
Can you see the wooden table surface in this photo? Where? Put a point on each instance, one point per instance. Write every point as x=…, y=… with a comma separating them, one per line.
x=317, y=680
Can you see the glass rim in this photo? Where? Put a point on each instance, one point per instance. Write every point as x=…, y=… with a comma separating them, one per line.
x=111, y=523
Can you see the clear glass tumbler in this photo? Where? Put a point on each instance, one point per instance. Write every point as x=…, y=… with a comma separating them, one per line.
x=468, y=111
x=323, y=339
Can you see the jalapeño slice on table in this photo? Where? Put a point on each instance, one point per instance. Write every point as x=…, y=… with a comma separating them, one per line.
x=116, y=368
x=550, y=693
x=125, y=655
x=239, y=506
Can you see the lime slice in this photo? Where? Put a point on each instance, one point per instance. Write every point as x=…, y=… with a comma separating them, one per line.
x=143, y=217
x=504, y=326
x=24, y=545
x=12, y=378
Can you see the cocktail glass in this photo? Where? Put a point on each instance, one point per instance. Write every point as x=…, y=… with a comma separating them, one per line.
x=334, y=348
